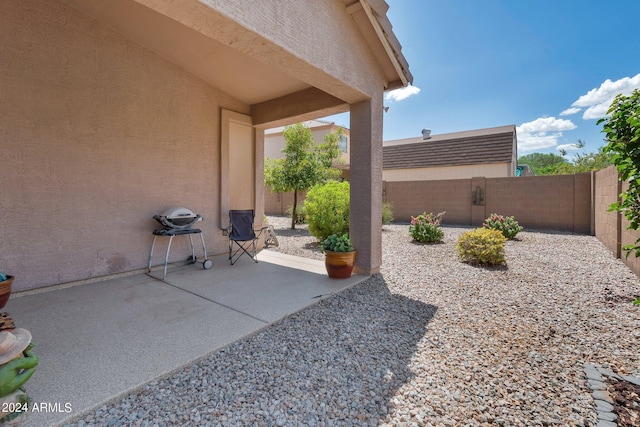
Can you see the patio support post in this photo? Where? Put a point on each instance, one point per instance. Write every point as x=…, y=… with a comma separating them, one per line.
x=365, y=222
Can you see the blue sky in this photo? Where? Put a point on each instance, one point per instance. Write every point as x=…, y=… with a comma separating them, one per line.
x=551, y=67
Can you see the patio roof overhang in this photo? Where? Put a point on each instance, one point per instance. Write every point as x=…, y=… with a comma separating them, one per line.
x=213, y=45
x=371, y=18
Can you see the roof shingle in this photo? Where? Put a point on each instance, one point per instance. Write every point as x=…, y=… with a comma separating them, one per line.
x=482, y=146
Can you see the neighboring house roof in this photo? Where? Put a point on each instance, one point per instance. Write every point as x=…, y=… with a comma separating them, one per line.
x=482, y=146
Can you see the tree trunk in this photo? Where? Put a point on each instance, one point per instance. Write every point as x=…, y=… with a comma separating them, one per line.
x=293, y=210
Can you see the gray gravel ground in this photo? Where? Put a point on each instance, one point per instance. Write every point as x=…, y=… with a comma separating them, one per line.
x=429, y=341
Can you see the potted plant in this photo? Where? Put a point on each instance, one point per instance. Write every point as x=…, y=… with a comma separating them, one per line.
x=339, y=256
x=5, y=288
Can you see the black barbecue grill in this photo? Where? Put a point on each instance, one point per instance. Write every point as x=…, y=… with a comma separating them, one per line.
x=178, y=221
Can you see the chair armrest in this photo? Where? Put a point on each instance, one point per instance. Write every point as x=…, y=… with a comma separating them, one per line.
x=259, y=231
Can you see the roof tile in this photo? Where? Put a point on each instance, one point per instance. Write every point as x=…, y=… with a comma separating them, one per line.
x=494, y=145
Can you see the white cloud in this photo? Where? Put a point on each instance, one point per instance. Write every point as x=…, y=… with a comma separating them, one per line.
x=597, y=111
x=402, y=93
x=543, y=132
x=546, y=124
x=567, y=147
x=570, y=111
x=598, y=100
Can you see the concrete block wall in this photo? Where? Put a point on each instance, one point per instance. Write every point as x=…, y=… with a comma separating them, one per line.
x=628, y=237
x=560, y=202
x=414, y=197
x=278, y=203
x=544, y=202
x=611, y=228
x=607, y=223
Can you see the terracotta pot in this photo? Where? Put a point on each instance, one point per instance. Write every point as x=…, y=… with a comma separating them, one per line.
x=339, y=264
x=5, y=290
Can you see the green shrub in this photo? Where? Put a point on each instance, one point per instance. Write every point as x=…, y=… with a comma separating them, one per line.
x=507, y=225
x=327, y=207
x=387, y=213
x=426, y=228
x=301, y=213
x=483, y=246
x=337, y=243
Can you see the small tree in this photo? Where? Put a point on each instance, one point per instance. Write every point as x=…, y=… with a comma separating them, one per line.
x=622, y=130
x=542, y=164
x=585, y=162
x=305, y=164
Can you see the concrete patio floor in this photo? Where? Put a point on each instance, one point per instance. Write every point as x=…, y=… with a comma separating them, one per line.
x=97, y=342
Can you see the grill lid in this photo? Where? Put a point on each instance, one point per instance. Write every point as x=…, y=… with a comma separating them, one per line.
x=177, y=218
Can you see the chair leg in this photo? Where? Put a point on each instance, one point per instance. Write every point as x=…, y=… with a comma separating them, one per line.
x=255, y=252
x=245, y=250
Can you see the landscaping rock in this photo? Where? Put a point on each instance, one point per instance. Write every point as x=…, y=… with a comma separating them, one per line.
x=429, y=341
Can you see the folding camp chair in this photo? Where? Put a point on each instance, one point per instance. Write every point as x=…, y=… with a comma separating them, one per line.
x=242, y=234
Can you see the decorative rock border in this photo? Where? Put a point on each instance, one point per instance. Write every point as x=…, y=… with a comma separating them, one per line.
x=601, y=397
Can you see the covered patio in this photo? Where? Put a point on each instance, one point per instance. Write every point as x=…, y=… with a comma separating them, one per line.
x=99, y=341
x=115, y=111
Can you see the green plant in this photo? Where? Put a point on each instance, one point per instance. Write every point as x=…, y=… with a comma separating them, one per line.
x=305, y=163
x=507, y=225
x=337, y=243
x=327, y=207
x=636, y=301
x=622, y=130
x=387, y=213
x=542, y=164
x=426, y=228
x=553, y=164
x=484, y=246
x=301, y=214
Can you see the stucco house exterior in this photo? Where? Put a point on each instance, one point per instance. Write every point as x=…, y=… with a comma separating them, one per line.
x=489, y=153
x=113, y=111
x=274, y=142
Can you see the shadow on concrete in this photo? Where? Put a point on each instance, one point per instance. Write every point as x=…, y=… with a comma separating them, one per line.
x=342, y=359
x=99, y=341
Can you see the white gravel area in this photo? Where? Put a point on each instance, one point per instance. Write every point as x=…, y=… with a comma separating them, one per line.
x=429, y=341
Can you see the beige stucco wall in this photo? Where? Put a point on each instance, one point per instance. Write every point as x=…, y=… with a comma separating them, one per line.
x=97, y=135
x=493, y=170
x=274, y=143
x=318, y=35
